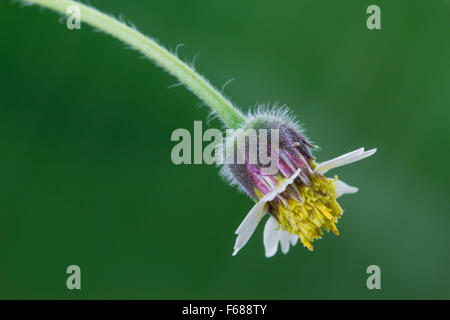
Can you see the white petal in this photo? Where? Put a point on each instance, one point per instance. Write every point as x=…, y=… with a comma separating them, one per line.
x=281, y=187
x=284, y=240
x=271, y=237
x=248, y=226
x=343, y=188
x=344, y=159
x=251, y=216
x=274, y=234
x=250, y=222
x=293, y=238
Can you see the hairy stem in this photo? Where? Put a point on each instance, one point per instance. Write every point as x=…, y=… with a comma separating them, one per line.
x=229, y=114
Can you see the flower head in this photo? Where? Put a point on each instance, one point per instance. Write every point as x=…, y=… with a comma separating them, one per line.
x=299, y=198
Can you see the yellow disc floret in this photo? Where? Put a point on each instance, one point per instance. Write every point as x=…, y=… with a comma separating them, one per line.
x=307, y=211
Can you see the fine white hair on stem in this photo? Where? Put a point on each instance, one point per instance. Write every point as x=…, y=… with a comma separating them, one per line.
x=178, y=47
x=178, y=84
x=225, y=85
x=194, y=60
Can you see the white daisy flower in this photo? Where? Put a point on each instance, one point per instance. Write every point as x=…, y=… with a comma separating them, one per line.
x=299, y=199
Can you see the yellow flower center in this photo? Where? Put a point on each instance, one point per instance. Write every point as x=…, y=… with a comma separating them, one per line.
x=307, y=211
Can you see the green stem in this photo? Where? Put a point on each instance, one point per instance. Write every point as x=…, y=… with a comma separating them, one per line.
x=230, y=115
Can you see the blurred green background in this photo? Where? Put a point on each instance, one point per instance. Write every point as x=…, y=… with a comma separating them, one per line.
x=85, y=169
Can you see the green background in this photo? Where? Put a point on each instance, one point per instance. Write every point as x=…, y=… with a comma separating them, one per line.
x=85, y=170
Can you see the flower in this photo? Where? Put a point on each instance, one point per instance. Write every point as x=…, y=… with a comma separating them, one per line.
x=299, y=198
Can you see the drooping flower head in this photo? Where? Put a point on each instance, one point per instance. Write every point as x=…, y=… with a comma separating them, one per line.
x=300, y=199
